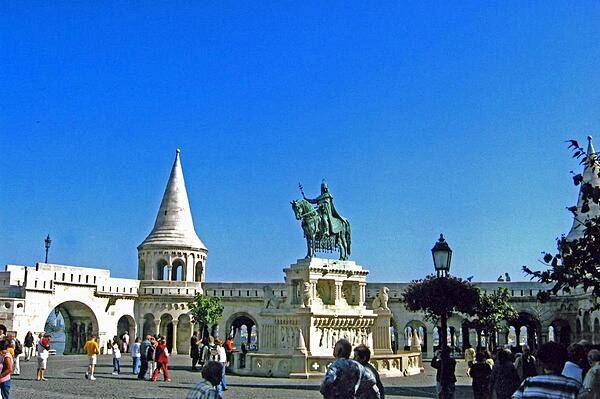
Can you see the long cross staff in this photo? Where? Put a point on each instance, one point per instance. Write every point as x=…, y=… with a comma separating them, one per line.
x=301, y=189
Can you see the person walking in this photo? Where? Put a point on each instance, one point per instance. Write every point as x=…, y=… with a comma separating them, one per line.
x=551, y=384
x=144, y=348
x=152, y=356
x=17, y=349
x=222, y=358
x=125, y=341
x=136, y=355
x=116, y=356
x=205, y=351
x=362, y=354
x=42, y=348
x=229, y=349
x=207, y=387
x=591, y=382
x=194, y=350
x=525, y=364
x=445, y=376
x=342, y=377
x=480, y=372
x=28, y=343
x=504, y=378
x=92, y=349
x=6, y=369
x=161, y=354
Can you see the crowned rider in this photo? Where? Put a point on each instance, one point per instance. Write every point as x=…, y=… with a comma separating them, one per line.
x=326, y=209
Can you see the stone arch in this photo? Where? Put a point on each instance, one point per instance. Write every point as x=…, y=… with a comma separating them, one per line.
x=234, y=327
x=178, y=270
x=161, y=270
x=127, y=323
x=199, y=271
x=562, y=331
x=80, y=322
x=587, y=328
x=149, y=326
x=166, y=329
x=530, y=335
x=184, y=333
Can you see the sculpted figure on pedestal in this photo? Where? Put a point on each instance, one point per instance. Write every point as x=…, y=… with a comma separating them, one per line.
x=306, y=294
x=381, y=300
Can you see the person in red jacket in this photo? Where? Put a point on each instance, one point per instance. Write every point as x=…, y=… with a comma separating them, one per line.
x=229, y=349
x=161, y=354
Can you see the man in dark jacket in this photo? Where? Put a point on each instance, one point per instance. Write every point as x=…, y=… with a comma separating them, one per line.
x=445, y=376
x=144, y=346
x=362, y=354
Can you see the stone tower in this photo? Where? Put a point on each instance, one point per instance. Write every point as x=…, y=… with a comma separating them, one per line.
x=590, y=175
x=173, y=251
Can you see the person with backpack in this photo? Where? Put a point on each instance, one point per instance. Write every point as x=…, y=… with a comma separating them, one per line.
x=18, y=350
x=144, y=348
x=204, y=352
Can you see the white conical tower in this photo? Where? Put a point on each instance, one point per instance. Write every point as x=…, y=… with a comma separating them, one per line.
x=173, y=250
x=590, y=175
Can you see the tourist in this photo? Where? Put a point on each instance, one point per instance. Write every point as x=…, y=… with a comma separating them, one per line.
x=229, y=349
x=194, y=350
x=221, y=358
x=151, y=356
x=17, y=348
x=480, y=372
x=161, y=354
x=504, y=379
x=144, y=349
x=6, y=369
x=343, y=375
x=445, y=376
x=125, y=341
x=576, y=359
x=28, y=344
x=92, y=350
x=591, y=382
x=116, y=356
x=135, y=355
x=488, y=357
x=362, y=354
x=551, y=383
x=525, y=364
x=42, y=348
x=506, y=277
x=207, y=387
x=205, y=351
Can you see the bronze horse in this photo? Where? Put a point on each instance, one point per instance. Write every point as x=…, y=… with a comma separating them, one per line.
x=316, y=240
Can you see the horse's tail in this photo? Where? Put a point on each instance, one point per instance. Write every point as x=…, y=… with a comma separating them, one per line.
x=348, y=236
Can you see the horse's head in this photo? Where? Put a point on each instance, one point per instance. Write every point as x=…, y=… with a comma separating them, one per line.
x=297, y=209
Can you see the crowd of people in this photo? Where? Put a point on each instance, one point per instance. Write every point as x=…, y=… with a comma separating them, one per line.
x=553, y=372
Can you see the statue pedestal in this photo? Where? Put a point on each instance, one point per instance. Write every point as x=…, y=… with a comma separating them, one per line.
x=382, y=342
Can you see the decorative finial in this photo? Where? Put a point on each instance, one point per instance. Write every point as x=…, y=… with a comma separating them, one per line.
x=589, y=138
x=178, y=151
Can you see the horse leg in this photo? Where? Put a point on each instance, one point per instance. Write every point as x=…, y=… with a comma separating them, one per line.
x=308, y=248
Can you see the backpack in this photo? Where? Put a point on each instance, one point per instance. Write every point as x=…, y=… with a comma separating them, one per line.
x=18, y=347
x=150, y=353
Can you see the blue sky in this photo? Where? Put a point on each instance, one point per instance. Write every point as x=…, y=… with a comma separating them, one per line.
x=423, y=117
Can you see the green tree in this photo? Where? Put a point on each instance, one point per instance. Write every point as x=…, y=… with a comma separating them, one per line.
x=576, y=263
x=440, y=297
x=491, y=311
x=205, y=310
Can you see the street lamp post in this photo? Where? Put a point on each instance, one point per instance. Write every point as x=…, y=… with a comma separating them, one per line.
x=47, y=243
x=442, y=256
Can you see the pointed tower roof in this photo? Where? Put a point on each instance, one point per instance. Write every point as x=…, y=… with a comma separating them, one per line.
x=590, y=175
x=174, y=226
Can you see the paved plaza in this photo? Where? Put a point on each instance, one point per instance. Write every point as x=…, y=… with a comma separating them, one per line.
x=65, y=379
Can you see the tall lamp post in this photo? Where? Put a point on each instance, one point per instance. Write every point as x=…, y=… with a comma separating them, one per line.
x=442, y=256
x=47, y=243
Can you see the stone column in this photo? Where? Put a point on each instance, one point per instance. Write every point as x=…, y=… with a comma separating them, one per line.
x=174, y=347
x=362, y=293
x=157, y=325
x=337, y=296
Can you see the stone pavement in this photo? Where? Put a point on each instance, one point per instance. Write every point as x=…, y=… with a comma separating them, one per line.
x=66, y=380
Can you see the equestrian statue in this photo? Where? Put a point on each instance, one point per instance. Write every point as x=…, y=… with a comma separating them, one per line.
x=324, y=228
